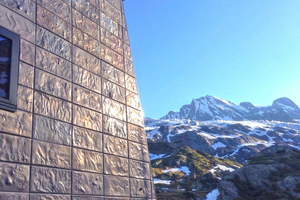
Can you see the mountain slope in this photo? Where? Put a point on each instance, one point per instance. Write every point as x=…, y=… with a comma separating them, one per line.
x=185, y=167
x=234, y=140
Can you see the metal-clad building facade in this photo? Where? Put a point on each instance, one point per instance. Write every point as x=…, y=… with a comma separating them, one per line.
x=77, y=131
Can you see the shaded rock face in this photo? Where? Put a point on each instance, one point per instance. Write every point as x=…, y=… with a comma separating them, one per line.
x=160, y=147
x=192, y=140
x=165, y=130
x=213, y=108
x=207, y=182
x=273, y=174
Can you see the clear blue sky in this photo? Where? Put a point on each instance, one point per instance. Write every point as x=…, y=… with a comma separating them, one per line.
x=237, y=50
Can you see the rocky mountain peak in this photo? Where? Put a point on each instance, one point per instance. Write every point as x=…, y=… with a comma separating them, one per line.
x=213, y=108
x=247, y=105
x=285, y=103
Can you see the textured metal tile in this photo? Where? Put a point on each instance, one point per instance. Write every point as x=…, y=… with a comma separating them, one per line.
x=50, y=180
x=86, y=98
x=133, y=100
x=124, y=21
x=129, y=69
x=14, y=177
x=111, y=41
x=113, y=91
x=87, y=183
x=87, y=9
x=111, y=57
x=50, y=130
x=87, y=160
x=26, y=74
x=115, y=146
x=85, y=197
x=139, y=169
x=137, y=134
x=134, y=116
x=115, y=165
x=86, y=42
x=17, y=24
x=138, y=151
x=114, y=127
x=127, y=52
x=49, y=197
x=14, y=149
x=53, y=85
x=113, y=109
x=140, y=188
x=110, y=11
x=67, y=2
x=120, y=32
x=86, y=60
x=113, y=74
x=52, y=63
x=125, y=36
x=109, y=24
x=85, y=24
x=25, y=8
x=87, y=139
x=86, y=79
x=18, y=123
x=13, y=196
x=52, y=107
x=116, y=198
x=116, y=3
x=27, y=51
x=95, y=2
x=53, y=43
x=153, y=193
x=87, y=118
x=116, y=186
x=58, y=7
x=25, y=98
x=51, y=155
x=130, y=83
x=53, y=23
x=122, y=6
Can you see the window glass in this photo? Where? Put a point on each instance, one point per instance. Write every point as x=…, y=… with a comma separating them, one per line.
x=5, y=62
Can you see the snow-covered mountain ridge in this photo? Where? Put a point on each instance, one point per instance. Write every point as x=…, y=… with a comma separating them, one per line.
x=213, y=108
x=224, y=129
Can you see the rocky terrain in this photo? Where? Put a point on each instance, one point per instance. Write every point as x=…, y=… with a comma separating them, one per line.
x=195, y=148
x=272, y=174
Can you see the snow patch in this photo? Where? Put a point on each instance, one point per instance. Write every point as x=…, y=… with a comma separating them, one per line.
x=222, y=168
x=183, y=169
x=159, y=181
x=157, y=156
x=151, y=134
x=217, y=145
x=267, y=144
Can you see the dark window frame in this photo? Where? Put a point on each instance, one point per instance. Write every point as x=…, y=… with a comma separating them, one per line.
x=10, y=104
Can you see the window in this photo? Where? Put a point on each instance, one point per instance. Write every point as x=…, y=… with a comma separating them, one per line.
x=9, y=60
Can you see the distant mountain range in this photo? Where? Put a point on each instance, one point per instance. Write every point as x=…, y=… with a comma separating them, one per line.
x=208, y=133
x=213, y=108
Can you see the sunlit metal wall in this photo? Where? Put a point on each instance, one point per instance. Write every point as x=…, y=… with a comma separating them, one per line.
x=78, y=129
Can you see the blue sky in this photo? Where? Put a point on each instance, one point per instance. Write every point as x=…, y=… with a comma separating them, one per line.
x=237, y=50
